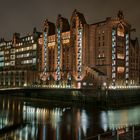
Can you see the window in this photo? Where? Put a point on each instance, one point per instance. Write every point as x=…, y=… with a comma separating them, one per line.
x=34, y=46
x=34, y=60
x=120, y=69
x=120, y=30
x=120, y=56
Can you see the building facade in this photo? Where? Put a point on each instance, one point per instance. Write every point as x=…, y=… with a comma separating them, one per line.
x=73, y=54
x=115, y=53
x=19, y=60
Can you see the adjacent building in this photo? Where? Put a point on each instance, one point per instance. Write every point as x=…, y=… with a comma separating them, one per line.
x=19, y=60
x=73, y=54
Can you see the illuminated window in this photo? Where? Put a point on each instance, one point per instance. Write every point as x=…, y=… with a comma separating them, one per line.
x=51, y=44
x=12, y=56
x=120, y=30
x=103, y=55
x=113, y=75
x=34, y=60
x=120, y=69
x=99, y=54
x=120, y=56
x=12, y=63
x=34, y=46
x=126, y=76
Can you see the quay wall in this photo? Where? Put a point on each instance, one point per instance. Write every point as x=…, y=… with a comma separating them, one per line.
x=95, y=97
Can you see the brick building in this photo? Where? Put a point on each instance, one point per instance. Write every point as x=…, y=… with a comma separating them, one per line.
x=73, y=54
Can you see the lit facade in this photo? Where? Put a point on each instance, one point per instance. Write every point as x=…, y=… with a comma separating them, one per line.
x=19, y=60
x=114, y=52
x=73, y=54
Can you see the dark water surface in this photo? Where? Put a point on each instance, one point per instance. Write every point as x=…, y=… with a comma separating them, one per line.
x=33, y=120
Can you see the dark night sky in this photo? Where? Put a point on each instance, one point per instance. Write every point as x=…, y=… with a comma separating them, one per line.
x=22, y=15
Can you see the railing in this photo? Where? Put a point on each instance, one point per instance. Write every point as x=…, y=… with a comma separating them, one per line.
x=128, y=133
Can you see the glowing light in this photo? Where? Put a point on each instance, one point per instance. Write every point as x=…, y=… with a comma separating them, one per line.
x=113, y=55
x=79, y=67
x=104, y=121
x=45, y=51
x=120, y=69
x=127, y=58
x=58, y=54
x=84, y=122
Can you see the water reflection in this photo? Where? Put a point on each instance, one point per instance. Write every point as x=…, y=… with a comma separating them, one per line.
x=116, y=119
x=56, y=122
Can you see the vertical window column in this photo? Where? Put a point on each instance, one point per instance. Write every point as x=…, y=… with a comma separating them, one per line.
x=58, y=54
x=79, y=54
x=126, y=58
x=113, y=57
x=45, y=52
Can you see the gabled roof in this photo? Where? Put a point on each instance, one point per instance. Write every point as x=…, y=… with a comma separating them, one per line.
x=65, y=25
x=51, y=30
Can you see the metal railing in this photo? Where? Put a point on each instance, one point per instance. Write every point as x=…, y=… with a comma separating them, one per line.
x=128, y=133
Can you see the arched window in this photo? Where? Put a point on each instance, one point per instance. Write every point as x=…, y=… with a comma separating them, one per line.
x=120, y=30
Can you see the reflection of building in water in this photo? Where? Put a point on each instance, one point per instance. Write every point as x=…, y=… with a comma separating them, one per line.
x=50, y=121
x=80, y=123
x=117, y=119
x=44, y=119
x=11, y=112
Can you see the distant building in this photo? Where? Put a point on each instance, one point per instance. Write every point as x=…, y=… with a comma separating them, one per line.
x=73, y=54
x=19, y=60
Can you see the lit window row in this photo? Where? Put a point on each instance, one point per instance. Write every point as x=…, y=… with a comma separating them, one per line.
x=9, y=43
x=1, y=52
x=27, y=48
x=8, y=47
x=6, y=52
x=51, y=38
x=99, y=32
x=11, y=63
x=2, y=44
x=66, y=41
x=28, y=38
x=27, y=61
x=66, y=35
x=24, y=55
x=1, y=58
x=22, y=43
x=1, y=64
x=120, y=56
x=7, y=64
x=19, y=44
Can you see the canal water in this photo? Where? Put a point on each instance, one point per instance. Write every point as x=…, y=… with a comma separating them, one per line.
x=22, y=119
